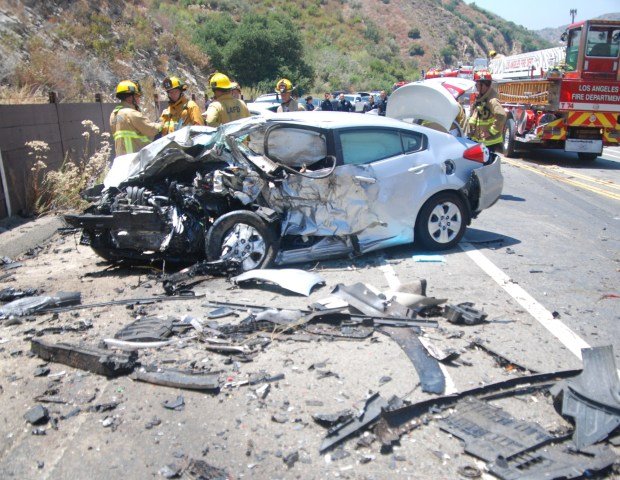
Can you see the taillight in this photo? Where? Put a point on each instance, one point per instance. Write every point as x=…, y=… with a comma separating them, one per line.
x=478, y=153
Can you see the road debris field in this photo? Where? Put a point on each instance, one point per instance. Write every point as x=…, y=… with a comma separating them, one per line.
x=397, y=364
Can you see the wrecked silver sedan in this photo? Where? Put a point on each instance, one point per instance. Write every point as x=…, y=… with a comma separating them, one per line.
x=290, y=188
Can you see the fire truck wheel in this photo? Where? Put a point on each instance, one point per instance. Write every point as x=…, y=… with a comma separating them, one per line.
x=587, y=157
x=509, y=138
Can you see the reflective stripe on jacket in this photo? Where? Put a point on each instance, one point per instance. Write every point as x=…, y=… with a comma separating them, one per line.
x=180, y=114
x=486, y=123
x=131, y=130
x=225, y=109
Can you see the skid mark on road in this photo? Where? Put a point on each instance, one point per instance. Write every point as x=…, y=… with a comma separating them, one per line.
x=561, y=176
x=573, y=342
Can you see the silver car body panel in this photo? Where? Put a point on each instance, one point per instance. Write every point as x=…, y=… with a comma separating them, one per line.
x=294, y=280
x=356, y=208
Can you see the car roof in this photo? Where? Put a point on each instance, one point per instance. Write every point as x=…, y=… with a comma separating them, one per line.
x=335, y=120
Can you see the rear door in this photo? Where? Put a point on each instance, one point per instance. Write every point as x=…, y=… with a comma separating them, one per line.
x=387, y=169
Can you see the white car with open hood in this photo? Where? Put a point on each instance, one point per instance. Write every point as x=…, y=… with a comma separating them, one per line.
x=290, y=188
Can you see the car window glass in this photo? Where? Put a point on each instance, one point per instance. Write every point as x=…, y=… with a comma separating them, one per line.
x=412, y=142
x=366, y=146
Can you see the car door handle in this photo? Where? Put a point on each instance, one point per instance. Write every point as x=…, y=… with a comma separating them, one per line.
x=418, y=168
x=365, y=179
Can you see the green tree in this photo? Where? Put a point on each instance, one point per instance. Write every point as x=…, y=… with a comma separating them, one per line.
x=265, y=47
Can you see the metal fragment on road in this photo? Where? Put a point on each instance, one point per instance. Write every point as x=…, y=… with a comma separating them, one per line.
x=30, y=305
x=593, y=397
x=294, y=280
x=372, y=410
x=178, y=379
x=432, y=379
x=92, y=359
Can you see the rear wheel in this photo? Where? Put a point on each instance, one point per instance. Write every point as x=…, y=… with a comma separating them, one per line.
x=441, y=222
x=587, y=157
x=510, y=131
x=244, y=237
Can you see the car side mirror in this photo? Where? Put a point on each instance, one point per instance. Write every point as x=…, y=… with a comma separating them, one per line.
x=564, y=36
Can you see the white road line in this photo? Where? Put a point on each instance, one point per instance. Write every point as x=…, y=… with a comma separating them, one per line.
x=573, y=342
x=394, y=282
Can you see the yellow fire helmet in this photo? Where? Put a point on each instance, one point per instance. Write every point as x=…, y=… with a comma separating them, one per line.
x=173, y=82
x=284, y=85
x=128, y=86
x=219, y=81
x=492, y=53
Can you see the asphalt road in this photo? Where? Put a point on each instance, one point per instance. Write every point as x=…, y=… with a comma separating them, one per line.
x=543, y=263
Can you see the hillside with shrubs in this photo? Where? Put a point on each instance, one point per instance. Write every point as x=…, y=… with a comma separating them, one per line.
x=81, y=47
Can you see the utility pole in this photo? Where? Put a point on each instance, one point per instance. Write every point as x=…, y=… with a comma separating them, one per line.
x=573, y=12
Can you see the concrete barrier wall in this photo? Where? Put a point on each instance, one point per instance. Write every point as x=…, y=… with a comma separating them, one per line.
x=57, y=124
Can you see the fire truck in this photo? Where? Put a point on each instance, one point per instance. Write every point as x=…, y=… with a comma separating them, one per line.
x=565, y=98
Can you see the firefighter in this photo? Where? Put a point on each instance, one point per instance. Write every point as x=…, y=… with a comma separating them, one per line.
x=181, y=111
x=284, y=87
x=488, y=117
x=129, y=127
x=224, y=108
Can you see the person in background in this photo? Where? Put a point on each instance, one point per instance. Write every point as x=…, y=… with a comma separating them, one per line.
x=382, y=103
x=370, y=105
x=488, y=117
x=309, y=105
x=130, y=129
x=225, y=108
x=181, y=111
x=344, y=105
x=288, y=104
x=236, y=91
x=326, y=103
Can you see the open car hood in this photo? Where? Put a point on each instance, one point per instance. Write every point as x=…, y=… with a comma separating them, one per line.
x=430, y=100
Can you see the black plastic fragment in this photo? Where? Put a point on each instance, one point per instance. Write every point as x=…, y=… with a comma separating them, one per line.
x=37, y=415
x=432, y=379
x=489, y=431
x=96, y=360
x=146, y=329
x=464, y=313
x=592, y=398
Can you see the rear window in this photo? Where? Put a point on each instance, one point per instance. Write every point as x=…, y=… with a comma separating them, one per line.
x=363, y=146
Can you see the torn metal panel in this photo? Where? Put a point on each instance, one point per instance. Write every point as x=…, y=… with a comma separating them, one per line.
x=9, y=294
x=371, y=412
x=432, y=379
x=197, y=273
x=30, y=305
x=364, y=300
x=179, y=379
x=555, y=461
x=96, y=360
x=593, y=398
x=324, y=248
x=489, y=431
x=294, y=280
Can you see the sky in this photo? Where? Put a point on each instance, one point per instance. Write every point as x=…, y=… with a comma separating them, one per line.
x=537, y=14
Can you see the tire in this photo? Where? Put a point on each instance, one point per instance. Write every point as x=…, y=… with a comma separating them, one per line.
x=441, y=222
x=587, y=157
x=243, y=236
x=508, y=146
